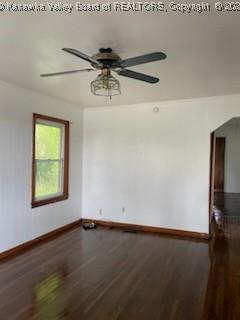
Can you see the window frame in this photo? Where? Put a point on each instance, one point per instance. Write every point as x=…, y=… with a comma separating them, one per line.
x=65, y=183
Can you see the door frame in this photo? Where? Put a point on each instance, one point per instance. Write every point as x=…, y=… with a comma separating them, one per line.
x=211, y=179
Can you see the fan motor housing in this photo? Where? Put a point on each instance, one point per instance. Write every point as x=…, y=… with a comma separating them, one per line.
x=107, y=57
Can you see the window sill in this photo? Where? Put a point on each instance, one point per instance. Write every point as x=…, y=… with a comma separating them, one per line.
x=44, y=202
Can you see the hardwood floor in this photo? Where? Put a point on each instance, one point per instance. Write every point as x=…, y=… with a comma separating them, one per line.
x=227, y=214
x=110, y=274
x=227, y=203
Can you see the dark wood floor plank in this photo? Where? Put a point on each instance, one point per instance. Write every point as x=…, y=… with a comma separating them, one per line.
x=112, y=275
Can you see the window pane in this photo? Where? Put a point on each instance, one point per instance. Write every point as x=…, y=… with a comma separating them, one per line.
x=48, y=178
x=50, y=160
x=48, y=142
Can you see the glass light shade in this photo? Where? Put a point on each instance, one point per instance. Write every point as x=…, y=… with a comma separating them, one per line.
x=105, y=85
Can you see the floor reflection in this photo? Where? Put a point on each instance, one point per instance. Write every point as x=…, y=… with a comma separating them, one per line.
x=222, y=300
x=49, y=296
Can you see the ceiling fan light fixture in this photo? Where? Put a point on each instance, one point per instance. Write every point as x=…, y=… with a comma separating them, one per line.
x=106, y=60
x=105, y=85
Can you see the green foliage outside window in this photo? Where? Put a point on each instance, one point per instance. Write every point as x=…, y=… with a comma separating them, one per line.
x=48, y=159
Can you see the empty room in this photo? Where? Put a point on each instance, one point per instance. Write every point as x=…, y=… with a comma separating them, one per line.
x=120, y=161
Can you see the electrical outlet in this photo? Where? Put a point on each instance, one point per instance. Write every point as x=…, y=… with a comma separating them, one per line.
x=100, y=211
x=123, y=209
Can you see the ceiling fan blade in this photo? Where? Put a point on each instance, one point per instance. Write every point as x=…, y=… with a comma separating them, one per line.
x=146, y=58
x=64, y=72
x=137, y=75
x=82, y=56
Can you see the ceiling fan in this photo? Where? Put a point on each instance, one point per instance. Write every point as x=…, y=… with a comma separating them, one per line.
x=106, y=60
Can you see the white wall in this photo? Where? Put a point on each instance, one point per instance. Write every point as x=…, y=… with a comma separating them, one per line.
x=231, y=131
x=155, y=165
x=18, y=222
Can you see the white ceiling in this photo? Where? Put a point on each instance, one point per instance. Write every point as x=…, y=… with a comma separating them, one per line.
x=203, y=53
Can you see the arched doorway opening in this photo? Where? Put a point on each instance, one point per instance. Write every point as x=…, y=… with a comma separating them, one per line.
x=224, y=206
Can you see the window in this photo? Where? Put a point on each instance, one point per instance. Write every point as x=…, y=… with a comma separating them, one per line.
x=50, y=160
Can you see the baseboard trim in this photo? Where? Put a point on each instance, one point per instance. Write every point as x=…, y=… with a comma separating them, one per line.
x=149, y=229
x=110, y=224
x=43, y=238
